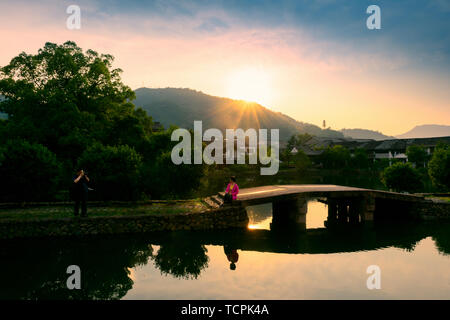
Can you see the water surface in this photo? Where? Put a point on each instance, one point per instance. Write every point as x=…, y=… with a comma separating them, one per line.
x=314, y=264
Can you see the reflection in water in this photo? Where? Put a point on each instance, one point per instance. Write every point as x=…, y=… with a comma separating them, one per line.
x=260, y=216
x=181, y=258
x=32, y=269
x=232, y=256
x=317, y=263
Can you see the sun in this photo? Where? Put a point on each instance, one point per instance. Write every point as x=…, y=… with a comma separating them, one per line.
x=250, y=84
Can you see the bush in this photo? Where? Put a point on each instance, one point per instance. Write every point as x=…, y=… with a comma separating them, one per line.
x=29, y=172
x=439, y=167
x=402, y=177
x=114, y=171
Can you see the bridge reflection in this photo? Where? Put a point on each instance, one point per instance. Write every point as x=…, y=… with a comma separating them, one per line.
x=291, y=213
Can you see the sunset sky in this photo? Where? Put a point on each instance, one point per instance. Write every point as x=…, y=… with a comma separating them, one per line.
x=312, y=60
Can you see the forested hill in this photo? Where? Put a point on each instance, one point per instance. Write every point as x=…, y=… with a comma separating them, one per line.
x=182, y=106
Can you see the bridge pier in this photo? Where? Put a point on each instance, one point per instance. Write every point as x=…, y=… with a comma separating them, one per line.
x=342, y=211
x=368, y=211
x=332, y=213
x=290, y=212
x=354, y=214
x=350, y=211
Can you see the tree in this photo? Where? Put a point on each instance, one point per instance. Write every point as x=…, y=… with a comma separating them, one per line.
x=162, y=178
x=439, y=167
x=114, y=171
x=286, y=155
x=66, y=100
x=360, y=159
x=402, y=177
x=296, y=141
x=181, y=259
x=301, y=161
x=417, y=155
x=29, y=172
x=335, y=157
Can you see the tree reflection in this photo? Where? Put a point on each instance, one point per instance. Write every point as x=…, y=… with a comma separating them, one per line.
x=441, y=238
x=37, y=269
x=181, y=259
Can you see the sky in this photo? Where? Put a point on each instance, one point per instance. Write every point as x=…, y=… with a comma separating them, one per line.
x=312, y=60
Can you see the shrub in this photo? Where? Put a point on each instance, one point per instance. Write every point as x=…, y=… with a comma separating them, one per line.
x=439, y=167
x=402, y=177
x=29, y=172
x=114, y=171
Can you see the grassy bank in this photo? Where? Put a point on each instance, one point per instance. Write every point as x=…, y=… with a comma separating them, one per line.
x=131, y=209
x=446, y=199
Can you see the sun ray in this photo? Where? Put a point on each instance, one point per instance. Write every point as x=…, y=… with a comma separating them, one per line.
x=250, y=84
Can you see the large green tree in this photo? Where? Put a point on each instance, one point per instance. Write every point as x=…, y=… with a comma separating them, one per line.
x=66, y=99
x=74, y=103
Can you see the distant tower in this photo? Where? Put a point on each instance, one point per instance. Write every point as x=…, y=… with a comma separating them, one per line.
x=324, y=124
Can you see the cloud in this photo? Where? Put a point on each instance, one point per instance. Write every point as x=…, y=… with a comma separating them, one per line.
x=326, y=33
x=213, y=25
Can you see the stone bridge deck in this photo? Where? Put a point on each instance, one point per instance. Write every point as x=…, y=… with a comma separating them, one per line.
x=251, y=196
x=345, y=204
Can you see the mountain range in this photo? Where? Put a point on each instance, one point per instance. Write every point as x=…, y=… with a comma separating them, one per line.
x=426, y=131
x=423, y=131
x=365, y=134
x=182, y=106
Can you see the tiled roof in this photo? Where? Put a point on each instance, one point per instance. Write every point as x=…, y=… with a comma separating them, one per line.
x=385, y=145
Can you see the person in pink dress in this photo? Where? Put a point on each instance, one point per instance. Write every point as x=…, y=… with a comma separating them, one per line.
x=232, y=190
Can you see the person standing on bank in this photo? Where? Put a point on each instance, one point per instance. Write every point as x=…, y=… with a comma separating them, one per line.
x=232, y=190
x=80, y=192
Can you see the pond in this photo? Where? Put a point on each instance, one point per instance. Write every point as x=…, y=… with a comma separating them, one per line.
x=257, y=263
